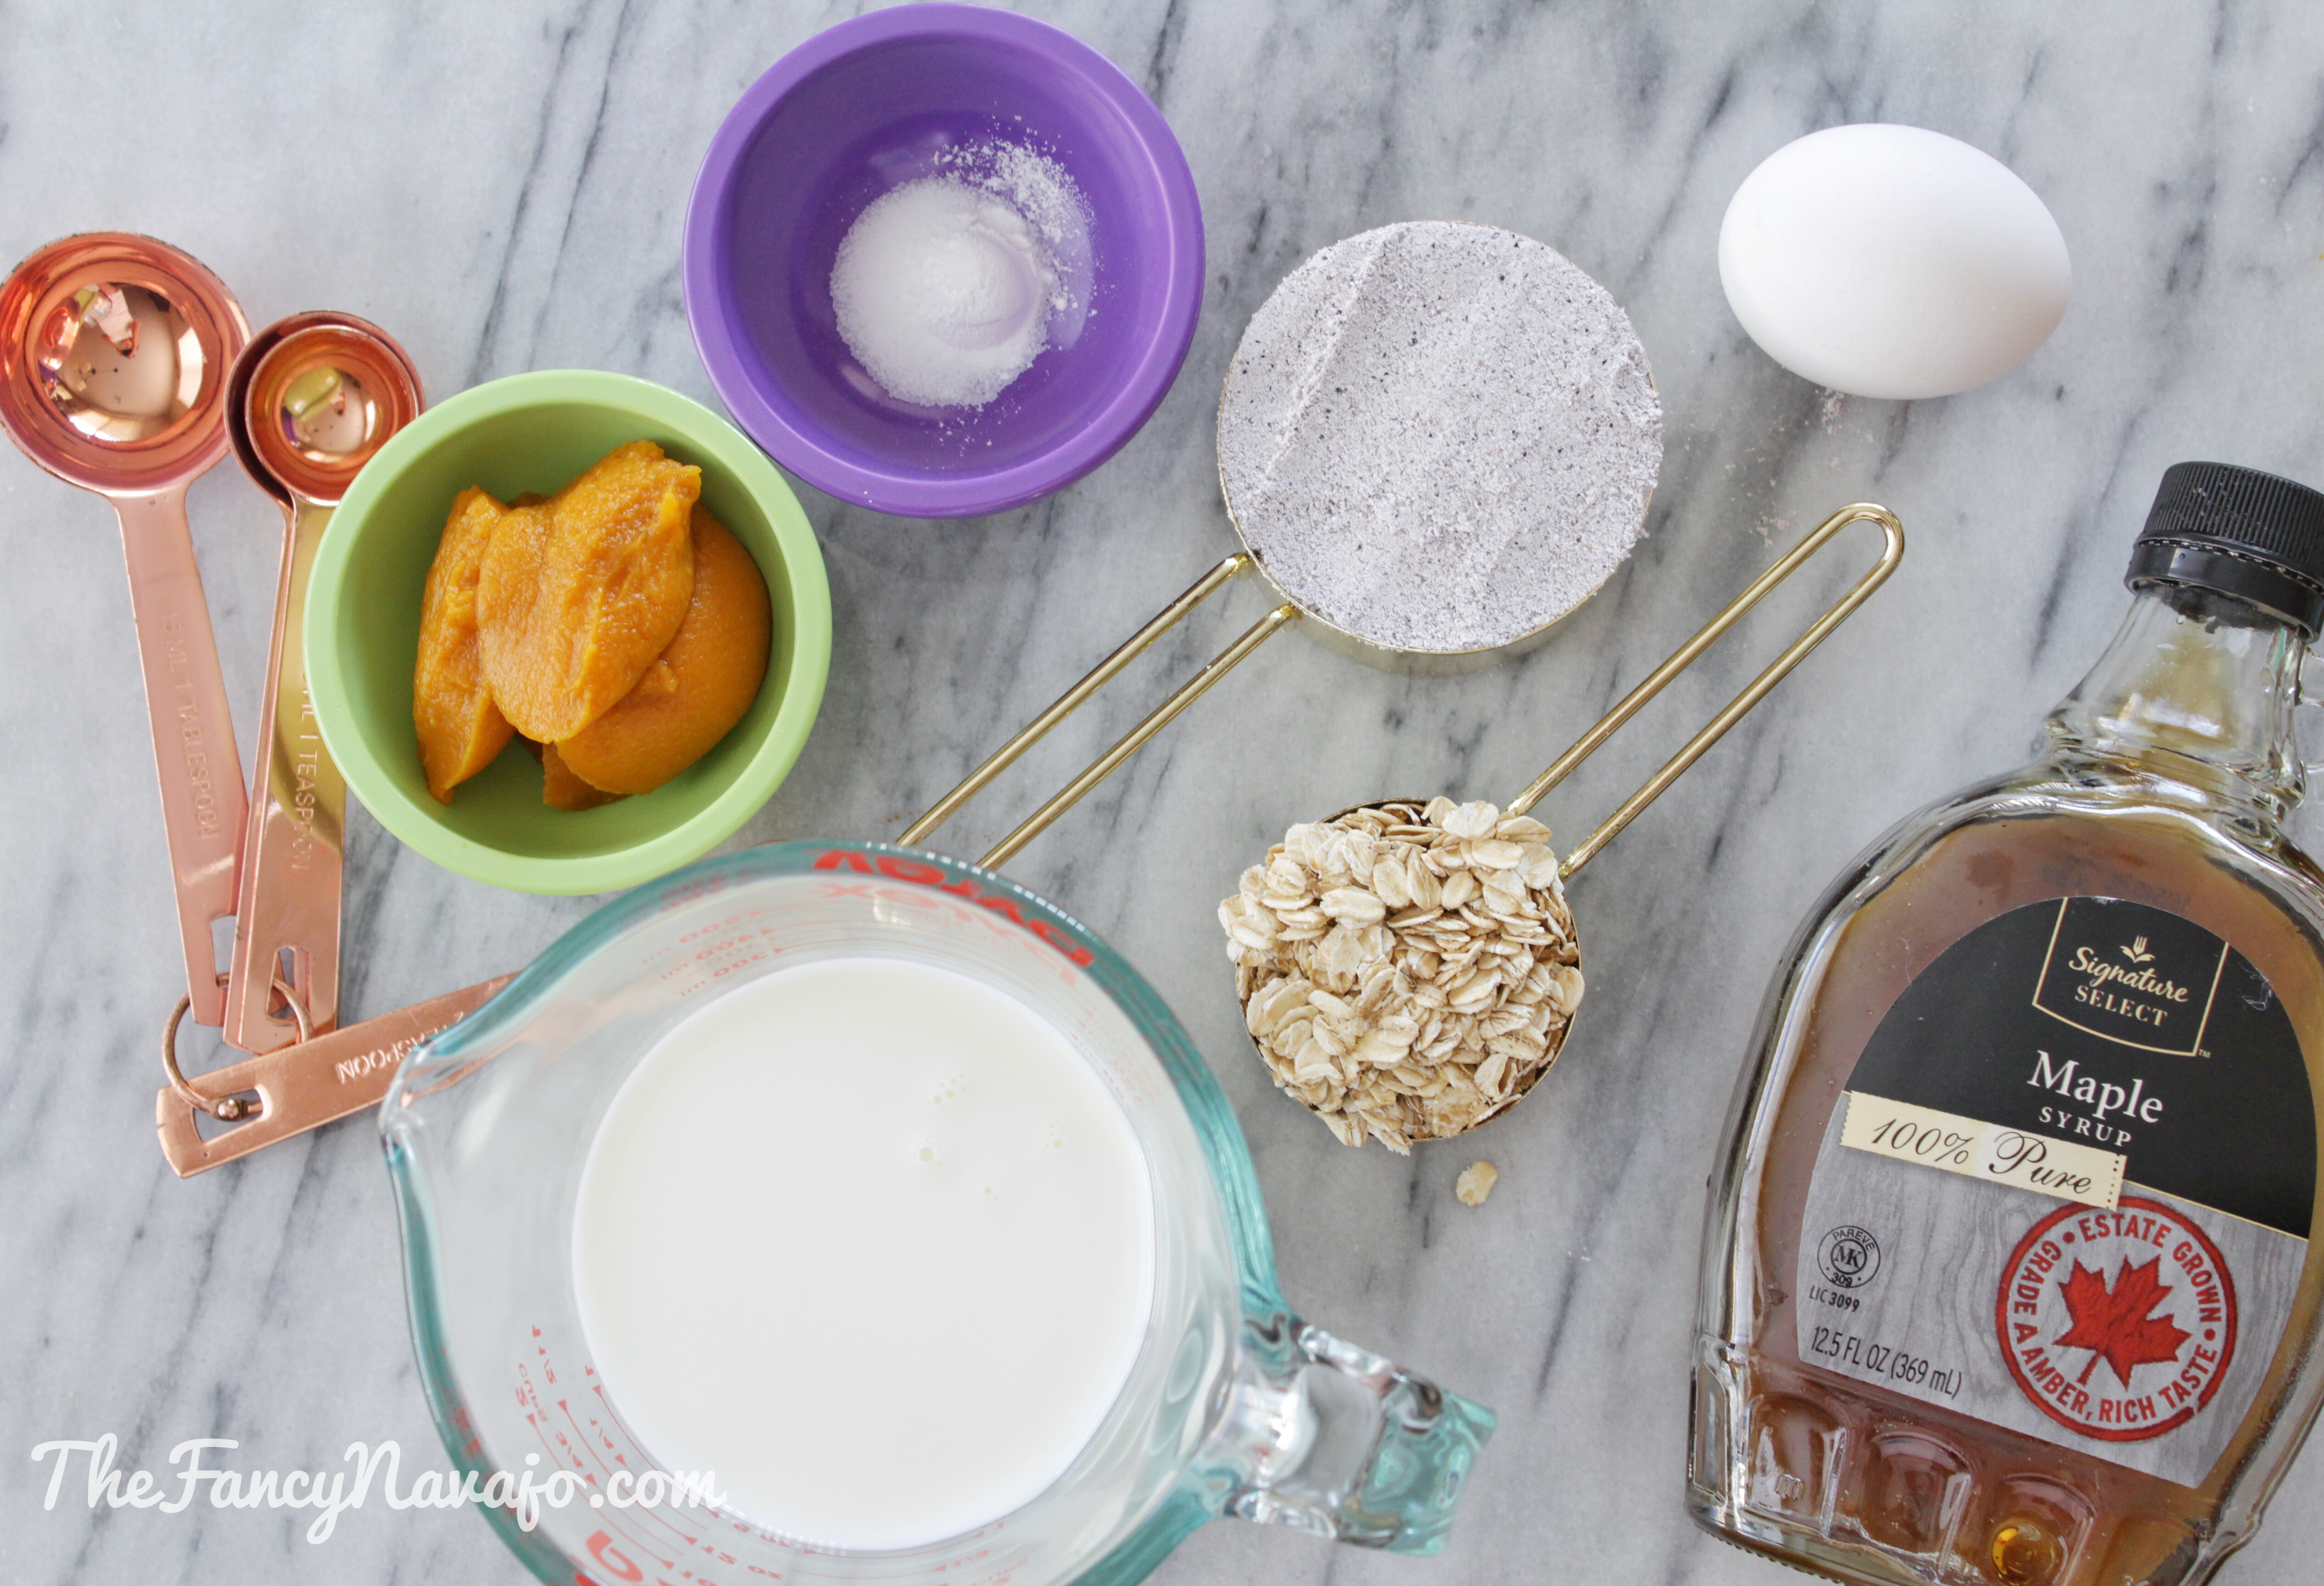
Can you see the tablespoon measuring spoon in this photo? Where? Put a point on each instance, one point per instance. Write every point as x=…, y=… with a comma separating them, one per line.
x=114, y=353
x=309, y=402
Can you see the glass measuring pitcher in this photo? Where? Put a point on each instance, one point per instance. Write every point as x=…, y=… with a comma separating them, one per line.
x=1234, y=1406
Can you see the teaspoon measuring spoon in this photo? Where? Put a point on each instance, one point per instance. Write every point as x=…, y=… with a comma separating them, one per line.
x=113, y=353
x=309, y=402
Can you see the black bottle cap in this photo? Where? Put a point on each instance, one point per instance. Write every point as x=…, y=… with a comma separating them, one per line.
x=2238, y=532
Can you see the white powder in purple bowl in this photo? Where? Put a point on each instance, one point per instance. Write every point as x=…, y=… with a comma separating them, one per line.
x=1440, y=437
x=947, y=287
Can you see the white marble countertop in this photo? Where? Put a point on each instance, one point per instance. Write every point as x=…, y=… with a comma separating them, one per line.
x=502, y=187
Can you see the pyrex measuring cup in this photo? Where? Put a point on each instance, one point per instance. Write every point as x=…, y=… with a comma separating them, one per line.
x=1235, y=1405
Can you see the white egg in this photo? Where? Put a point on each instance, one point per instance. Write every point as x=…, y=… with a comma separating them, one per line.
x=1892, y=262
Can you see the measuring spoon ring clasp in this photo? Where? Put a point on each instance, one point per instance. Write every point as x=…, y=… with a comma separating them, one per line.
x=224, y=1109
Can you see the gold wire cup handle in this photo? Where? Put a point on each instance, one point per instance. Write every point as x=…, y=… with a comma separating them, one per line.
x=1891, y=551
x=1073, y=698
x=1258, y=632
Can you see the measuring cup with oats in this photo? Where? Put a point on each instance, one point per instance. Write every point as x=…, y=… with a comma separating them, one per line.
x=1409, y=969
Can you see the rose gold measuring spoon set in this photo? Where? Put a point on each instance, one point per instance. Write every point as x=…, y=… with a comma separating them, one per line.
x=128, y=369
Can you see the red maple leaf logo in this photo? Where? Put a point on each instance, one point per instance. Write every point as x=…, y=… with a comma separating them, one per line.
x=2116, y=1325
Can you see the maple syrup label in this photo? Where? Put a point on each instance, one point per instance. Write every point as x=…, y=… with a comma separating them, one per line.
x=2068, y=1188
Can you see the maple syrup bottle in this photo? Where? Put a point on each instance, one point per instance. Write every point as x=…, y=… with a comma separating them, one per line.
x=2008, y=1277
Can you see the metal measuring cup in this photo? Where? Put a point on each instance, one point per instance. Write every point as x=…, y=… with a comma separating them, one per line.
x=1567, y=931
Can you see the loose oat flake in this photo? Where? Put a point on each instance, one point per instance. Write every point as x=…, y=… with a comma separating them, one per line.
x=1476, y=1182
x=1407, y=971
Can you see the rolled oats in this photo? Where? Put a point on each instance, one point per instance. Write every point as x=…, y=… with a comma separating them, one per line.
x=1407, y=971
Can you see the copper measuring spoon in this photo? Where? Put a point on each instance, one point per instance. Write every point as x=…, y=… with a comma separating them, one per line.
x=113, y=353
x=309, y=402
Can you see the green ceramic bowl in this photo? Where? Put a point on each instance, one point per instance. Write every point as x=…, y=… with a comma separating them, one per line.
x=534, y=432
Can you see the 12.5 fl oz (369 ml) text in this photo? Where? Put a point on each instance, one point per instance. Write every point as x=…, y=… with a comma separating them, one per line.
x=1832, y=1343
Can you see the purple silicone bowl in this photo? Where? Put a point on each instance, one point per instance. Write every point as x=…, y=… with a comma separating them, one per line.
x=865, y=106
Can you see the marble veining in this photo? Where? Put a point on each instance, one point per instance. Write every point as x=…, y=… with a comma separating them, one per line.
x=503, y=186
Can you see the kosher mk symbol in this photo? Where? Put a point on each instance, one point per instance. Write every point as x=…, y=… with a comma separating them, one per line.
x=1848, y=1257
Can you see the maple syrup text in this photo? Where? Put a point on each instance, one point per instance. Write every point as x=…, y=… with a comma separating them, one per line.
x=2101, y=1098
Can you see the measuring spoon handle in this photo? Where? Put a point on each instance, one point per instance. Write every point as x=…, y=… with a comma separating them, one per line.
x=203, y=806
x=289, y=898
x=299, y=1087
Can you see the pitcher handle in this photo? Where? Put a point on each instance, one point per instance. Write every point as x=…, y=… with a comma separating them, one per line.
x=1331, y=1439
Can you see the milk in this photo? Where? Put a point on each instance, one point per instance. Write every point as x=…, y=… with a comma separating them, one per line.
x=871, y=1241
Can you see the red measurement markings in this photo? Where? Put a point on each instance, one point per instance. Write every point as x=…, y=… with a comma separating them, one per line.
x=615, y=1524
